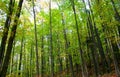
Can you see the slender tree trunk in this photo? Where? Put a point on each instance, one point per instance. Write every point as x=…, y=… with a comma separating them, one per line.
x=42, y=58
x=36, y=42
x=117, y=70
x=101, y=52
x=91, y=45
x=66, y=48
x=59, y=58
x=94, y=48
x=31, y=60
x=51, y=40
x=25, y=62
x=108, y=50
x=66, y=42
x=10, y=42
x=20, y=59
x=71, y=65
x=12, y=60
x=10, y=67
x=84, y=69
x=89, y=53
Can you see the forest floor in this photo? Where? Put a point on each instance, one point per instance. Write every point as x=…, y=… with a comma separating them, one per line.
x=78, y=73
x=90, y=73
x=112, y=74
x=109, y=75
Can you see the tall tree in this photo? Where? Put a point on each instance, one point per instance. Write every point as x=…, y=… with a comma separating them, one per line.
x=93, y=48
x=83, y=67
x=67, y=45
x=5, y=32
x=10, y=42
x=51, y=41
x=36, y=42
x=99, y=43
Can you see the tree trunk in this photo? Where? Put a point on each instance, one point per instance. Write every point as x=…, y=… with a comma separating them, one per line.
x=20, y=59
x=59, y=58
x=99, y=43
x=10, y=42
x=91, y=45
x=68, y=55
x=84, y=70
x=36, y=42
x=12, y=60
x=31, y=60
x=42, y=58
x=51, y=45
x=101, y=52
x=5, y=32
x=107, y=49
x=117, y=70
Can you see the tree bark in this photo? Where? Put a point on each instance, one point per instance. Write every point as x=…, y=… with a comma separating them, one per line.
x=5, y=32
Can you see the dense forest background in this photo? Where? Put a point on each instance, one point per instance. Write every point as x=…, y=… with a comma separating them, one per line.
x=59, y=38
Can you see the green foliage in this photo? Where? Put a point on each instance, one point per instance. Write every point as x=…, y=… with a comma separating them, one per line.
x=3, y=5
x=102, y=16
